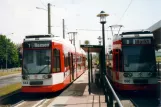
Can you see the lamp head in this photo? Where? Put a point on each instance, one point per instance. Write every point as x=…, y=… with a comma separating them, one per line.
x=102, y=16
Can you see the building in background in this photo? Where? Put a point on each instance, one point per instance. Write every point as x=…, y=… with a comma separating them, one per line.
x=156, y=30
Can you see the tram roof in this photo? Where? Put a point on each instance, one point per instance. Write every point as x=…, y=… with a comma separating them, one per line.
x=50, y=37
x=132, y=34
x=136, y=32
x=39, y=36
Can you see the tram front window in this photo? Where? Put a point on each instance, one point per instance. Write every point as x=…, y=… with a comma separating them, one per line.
x=139, y=58
x=37, y=61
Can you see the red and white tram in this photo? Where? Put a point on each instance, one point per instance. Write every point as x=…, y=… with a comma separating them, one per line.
x=134, y=64
x=50, y=63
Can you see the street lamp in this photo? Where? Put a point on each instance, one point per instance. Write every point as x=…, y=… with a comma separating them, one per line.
x=99, y=40
x=6, y=49
x=115, y=26
x=73, y=34
x=103, y=16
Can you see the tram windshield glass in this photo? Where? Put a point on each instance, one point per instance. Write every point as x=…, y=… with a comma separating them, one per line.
x=139, y=58
x=37, y=61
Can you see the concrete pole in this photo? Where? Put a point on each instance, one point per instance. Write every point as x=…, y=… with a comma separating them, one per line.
x=63, y=29
x=49, y=19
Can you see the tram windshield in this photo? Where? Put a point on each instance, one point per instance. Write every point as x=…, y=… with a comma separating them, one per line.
x=139, y=58
x=37, y=61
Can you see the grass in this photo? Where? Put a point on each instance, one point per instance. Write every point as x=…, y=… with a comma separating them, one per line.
x=9, y=89
x=3, y=73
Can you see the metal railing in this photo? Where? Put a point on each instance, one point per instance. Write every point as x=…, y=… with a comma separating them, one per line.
x=110, y=94
x=158, y=69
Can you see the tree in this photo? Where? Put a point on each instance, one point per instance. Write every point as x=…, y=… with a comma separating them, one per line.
x=8, y=51
x=96, y=58
x=2, y=50
x=20, y=52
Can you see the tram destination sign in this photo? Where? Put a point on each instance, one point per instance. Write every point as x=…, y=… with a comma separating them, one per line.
x=142, y=41
x=138, y=41
x=37, y=44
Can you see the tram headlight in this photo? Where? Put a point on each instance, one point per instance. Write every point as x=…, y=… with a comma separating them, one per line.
x=152, y=74
x=127, y=74
x=47, y=76
x=130, y=75
x=25, y=77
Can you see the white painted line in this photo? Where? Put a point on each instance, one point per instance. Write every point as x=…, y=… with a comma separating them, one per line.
x=18, y=104
x=59, y=100
x=40, y=102
x=43, y=103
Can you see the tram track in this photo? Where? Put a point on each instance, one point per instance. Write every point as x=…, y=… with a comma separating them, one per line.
x=35, y=103
x=139, y=99
x=144, y=101
x=29, y=100
x=19, y=103
x=31, y=103
x=133, y=102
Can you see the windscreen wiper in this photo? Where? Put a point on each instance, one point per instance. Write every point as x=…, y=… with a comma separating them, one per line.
x=42, y=69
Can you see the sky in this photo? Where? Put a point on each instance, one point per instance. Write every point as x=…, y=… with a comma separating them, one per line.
x=21, y=17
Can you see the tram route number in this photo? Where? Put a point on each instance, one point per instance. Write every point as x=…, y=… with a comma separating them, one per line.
x=126, y=81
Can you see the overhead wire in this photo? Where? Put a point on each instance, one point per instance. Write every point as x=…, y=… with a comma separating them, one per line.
x=125, y=12
x=43, y=4
x=97, y=30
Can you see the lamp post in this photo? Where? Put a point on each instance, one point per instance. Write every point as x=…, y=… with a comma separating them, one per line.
x=103, y=16
x=86, y=42
x=7, y=51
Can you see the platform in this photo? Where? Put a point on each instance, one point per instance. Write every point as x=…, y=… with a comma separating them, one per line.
x=77, y=95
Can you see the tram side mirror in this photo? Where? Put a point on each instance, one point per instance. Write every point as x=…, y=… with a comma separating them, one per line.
x=110, y=52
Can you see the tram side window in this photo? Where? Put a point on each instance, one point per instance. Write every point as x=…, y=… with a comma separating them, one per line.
x=56, y=62
x=66, y=62
x=79, y=62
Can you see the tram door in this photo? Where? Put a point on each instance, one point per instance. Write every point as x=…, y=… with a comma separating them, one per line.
x=72, y=66
x=117, y=62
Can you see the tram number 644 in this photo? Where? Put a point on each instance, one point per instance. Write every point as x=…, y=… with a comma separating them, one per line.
x=127, y=81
